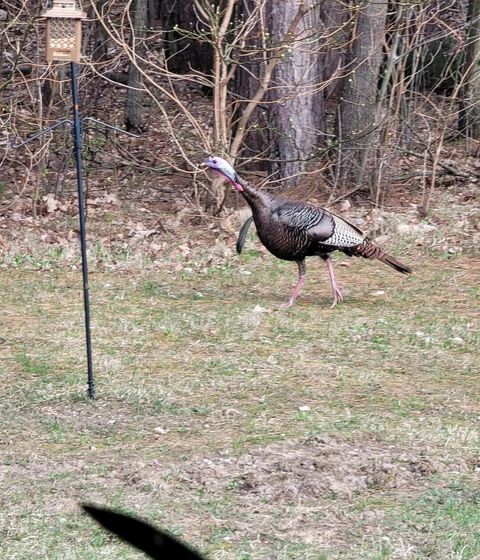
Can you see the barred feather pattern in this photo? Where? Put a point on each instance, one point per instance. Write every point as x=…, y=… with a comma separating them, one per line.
x=368, y=250
x=344, y=235
x=299, y=215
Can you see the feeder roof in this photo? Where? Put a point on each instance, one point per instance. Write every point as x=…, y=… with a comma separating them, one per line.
x=64, y=9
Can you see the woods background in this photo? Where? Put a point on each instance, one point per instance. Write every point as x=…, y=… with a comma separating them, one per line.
x=346, y=97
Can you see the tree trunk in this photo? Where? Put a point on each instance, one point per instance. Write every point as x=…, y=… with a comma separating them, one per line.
x=285, y=128
x=133, y=106
x=182, y=52
x=244, y=86
x=356, y=119
x=152, y=13
x=469, y=119
x=333, y=16
x=100, y=45
x=296, y=115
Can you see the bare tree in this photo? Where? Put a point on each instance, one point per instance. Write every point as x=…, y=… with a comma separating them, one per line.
x=296, y=114
x=228, y=137
x=289, y=125
x=356, y=127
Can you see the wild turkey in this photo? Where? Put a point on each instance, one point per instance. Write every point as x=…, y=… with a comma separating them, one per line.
x=295, y=230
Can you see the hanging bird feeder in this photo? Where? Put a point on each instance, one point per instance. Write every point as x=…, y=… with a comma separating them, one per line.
x=64, y=31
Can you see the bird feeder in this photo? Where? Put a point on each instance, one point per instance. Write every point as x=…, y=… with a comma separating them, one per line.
x=64, y=31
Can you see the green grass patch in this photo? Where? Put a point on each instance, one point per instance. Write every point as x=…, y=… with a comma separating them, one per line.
x=250, y=430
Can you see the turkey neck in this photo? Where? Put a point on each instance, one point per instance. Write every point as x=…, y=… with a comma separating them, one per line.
x=257, y=200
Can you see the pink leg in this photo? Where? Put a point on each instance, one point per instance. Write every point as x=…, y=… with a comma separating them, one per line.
x=302, y=272
x=337, y=294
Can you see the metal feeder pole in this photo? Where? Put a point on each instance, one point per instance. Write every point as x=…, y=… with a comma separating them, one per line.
x=77, y=141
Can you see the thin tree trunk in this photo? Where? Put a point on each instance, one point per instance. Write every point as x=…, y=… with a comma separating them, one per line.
x=101, y=36
x=252, y=60
x=469, y=118
x=133, y=106
x=151, y=13
x=182, y=53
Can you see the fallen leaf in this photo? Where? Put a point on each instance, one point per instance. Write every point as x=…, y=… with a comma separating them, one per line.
x=51, y=202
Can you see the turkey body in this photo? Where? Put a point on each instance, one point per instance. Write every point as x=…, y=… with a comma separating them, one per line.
x=293, y=231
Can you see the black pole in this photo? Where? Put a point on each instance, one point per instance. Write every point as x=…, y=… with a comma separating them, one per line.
x=77, y=140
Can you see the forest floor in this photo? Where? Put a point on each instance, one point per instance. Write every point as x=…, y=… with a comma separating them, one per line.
x=251, y=431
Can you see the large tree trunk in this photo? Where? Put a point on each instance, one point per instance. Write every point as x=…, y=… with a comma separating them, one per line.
x=284, y=129
x=133, y=106
x=356, y=121
x=296, y=114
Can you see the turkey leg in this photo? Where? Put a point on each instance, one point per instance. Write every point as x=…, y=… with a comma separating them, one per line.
x=337, y=294
x=302, y=273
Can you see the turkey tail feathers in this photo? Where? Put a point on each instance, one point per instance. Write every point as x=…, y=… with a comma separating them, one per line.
x=243, y=234
x=370, y=251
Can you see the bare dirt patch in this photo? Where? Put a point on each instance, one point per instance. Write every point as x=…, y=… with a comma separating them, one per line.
x=315, y=468
x=300, y=490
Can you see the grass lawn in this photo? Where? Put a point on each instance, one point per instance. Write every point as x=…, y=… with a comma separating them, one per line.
x=251, y=431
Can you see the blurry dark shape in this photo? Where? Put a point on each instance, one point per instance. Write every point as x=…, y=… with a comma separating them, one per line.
x=141, y=535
